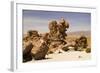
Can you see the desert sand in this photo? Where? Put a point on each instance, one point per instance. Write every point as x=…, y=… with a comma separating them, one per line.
x=65, y=56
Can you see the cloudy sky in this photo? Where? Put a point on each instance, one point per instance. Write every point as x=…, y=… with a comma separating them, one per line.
x=38, y=20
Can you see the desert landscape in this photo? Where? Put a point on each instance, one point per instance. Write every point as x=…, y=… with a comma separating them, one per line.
x=58, y=44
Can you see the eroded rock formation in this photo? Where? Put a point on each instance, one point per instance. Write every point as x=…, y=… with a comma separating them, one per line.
x=37, y=46
x=81, y=43
x=57, y=34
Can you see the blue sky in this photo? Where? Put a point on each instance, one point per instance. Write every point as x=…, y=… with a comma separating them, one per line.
x=38, y=20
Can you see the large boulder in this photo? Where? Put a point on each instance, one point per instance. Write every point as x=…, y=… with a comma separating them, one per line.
x=81, y=43
x=27, y=56
x=39, y=50
x=34, y=46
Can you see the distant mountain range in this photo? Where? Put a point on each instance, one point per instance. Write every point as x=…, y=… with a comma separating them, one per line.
x=79, y=33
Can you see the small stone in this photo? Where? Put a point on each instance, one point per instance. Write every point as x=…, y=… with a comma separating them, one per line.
x=88, y=50
x=79, y=56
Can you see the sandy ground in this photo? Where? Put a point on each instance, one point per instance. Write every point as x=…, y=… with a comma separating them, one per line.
x=66, y=56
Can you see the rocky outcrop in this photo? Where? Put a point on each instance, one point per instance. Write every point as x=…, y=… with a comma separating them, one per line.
x=58, y=30
x=39, y=52
x=81, y=43
x=37, y=46
x=57, y=34
x=27, y=55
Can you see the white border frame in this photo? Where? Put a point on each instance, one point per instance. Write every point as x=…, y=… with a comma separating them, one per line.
x=16, y=60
